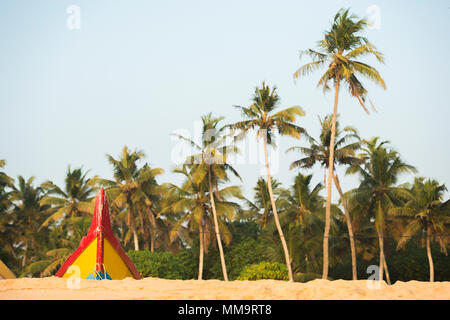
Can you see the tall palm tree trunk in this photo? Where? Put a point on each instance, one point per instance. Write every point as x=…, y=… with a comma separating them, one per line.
x=24, y=258
x=152, y=242
x=144, y=229
x=326, y=233
x=135, y=238
x=386, y=270
x=349, y=226
x=216, y=227
x=381, y=245
x=131, y=224
x=200, y=256
x=275, y=214
x=152, y=229
x=430, y=258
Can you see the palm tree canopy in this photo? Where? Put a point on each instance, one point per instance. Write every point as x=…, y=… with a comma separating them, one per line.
x=338, y=50
x=191, y=202
x=130, y=180
x=5, y=180
x=379, y=175
x=303, y=199
x=382, y=166
x=26, y=195
x=260, y=209
x=74, y=200
x=346, y=144
x=26, y=218
x=212, y=153
x=262, y=115
x=423, y=208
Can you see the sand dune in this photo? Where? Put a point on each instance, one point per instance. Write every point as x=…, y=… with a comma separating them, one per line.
x=153, y=288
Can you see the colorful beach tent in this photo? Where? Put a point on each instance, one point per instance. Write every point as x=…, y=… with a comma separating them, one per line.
x=99, y=255
x=5, y=273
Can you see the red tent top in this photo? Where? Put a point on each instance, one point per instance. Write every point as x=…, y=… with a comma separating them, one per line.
x=100, y=228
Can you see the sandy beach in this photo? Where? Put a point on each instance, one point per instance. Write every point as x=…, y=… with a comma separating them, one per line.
x=155, y=289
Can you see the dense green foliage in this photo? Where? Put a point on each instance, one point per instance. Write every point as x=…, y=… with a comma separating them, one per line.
x=164, y=264
x=246, y=249
x=407, y=264
x=264, y=270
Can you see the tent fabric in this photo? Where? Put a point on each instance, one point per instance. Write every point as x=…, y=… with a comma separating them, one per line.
x=5, y=273
x=99, y=250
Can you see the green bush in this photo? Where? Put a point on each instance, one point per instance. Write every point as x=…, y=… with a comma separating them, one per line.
x=264, y=270
x=245, y=253
x=163, y=265
x=237, y=255
x=305, y=277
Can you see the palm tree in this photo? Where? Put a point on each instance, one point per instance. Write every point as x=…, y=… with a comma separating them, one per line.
x=261, y=115
x=130, y=188
x=149, y=204
x=28, y=216
x=189, y=203
x=341, y=45
x=427, y=214
x=7, y=228
x=5, y=180
x=378, y=192
x=192, y=200
x=211, y=163
x=74, y=201
x=367, y=247
x=50, y=264
x=260, y=209
x=344, y=154
x=304, y=215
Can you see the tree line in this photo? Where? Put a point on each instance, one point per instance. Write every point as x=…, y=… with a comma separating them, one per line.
x=41, y=225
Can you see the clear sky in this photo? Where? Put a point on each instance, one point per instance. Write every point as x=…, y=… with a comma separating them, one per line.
x=136, y=71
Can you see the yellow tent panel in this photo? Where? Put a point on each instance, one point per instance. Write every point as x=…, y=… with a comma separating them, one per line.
x=5, y=273
x=99, y=255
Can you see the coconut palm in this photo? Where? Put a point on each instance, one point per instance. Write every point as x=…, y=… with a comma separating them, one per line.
x=345, y=147
x=189, y=203
x=28, y=215
x=427, y=215
x=131, y=188
x=6, y=186
x=5, y=180
x=378, y=192
x=192, y=200
x=74, y=201
x=262, y=115
x=7, y=229
x=210, y=164
x=305, y=217
x=46, y=267
x=366, y=245
x=338, y=51
x=63, y=238
x=148, y=203
x=260, y=209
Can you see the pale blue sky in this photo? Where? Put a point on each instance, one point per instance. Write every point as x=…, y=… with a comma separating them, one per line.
x=137, y=70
